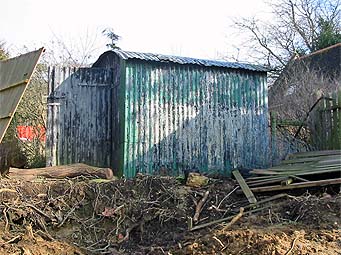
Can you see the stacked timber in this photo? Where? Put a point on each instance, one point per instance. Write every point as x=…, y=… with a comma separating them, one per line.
x=300, y=170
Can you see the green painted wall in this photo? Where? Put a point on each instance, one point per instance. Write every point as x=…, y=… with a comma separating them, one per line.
x=187, y=117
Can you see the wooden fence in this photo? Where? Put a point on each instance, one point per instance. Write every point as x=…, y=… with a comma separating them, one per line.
x=325, y=122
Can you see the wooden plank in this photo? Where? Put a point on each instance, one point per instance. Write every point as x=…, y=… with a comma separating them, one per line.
x=328, y=125
x=306, y=160
x=270, y=181
x=248, y=193
x=305, y=172
x=273, y=125
x=324, y=165
x=282, y=168
x=293, y=166
x=323, y=129
x=276, y=179
x=298, y=185
x=256, y=178
x=15, y=85
x=268, y=178
x=315, y=154
x=334, y=161
x=318, y=136
x=335, y=141
x=333, y=118
x=298, y=178
x=339, y=119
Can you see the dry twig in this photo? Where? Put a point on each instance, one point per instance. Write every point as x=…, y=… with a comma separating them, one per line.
x=234, y=220
x=229, y=194
x=220, y=242
x=200, y=206
x=292, y=246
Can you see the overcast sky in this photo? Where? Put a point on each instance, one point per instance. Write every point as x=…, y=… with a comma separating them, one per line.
x=194, y=28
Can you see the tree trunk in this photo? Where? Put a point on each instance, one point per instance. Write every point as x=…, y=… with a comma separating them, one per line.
x=59, y=172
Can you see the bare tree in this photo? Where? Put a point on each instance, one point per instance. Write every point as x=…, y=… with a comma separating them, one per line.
x=300, y=87
x=296, y=29
x=74, y=51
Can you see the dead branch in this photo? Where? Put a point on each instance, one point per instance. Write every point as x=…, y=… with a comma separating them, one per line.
x=234, y=220
x=228, y=195
x=292, y=246
x=39, y=211
x=7, y=190
x=204, y=225
x=200, y=206
x=219, y=241
x=6, y=220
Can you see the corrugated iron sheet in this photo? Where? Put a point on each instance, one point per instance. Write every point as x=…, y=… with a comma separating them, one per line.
x=186, y=60
x=79, y=116
x=140, y=114
x=193, y=118
x=15, y=74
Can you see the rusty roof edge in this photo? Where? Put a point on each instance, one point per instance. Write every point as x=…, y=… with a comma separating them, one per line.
x=320, y=51
x=127, y=55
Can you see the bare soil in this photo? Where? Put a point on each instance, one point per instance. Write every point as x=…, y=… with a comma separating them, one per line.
x=149, y=215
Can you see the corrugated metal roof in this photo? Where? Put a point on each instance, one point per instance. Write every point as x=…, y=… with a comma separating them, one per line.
x=186, y=60
x=15, y=74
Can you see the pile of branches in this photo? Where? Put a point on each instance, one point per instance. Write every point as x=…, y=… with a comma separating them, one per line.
x=147, y=213
x=97, y=217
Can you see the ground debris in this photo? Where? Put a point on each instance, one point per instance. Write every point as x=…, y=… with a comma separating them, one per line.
x=148, y=215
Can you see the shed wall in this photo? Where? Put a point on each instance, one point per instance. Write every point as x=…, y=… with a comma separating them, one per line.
x=80, y=127
x=186, y=117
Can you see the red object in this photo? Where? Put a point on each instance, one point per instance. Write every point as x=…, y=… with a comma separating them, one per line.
x=28, y=133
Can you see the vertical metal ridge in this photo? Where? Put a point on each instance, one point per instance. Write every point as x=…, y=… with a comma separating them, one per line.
x=189, y=117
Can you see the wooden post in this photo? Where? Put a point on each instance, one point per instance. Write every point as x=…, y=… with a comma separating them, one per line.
x=273, y=124
x=338, y=131
x=333, y=123
x=328, y=124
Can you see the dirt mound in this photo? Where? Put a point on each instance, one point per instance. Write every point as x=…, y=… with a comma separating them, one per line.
x=277, y=240
x=150, y=215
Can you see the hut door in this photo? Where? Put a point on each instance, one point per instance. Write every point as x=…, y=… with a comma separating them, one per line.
x=79, y=116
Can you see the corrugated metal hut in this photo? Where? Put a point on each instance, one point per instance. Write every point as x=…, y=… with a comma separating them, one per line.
x=157, y=114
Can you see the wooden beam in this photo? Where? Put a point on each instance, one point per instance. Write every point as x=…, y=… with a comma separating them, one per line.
x=248, y=193
x=60, y=172
x=312, y=171
x=298, y=185
x=270, y=181
x=310, y=159
x=14, y=85
x=5, y=116
x=315, y=153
